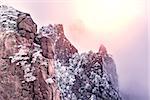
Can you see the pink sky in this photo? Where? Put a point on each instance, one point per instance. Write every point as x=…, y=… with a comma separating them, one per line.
x=128, y=44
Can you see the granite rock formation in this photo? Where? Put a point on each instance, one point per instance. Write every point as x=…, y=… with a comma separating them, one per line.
x=44, y=65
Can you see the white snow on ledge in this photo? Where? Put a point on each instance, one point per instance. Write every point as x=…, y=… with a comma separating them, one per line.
x=49, y=81
x=21, y=58
x=8, y=19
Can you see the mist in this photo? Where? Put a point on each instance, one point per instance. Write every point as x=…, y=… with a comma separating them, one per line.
x=129, y=50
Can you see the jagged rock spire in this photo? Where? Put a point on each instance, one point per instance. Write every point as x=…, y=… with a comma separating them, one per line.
x=27, y=57
x=102, y=50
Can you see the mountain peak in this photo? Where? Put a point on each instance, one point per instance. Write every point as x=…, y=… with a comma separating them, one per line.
x=102, y=50
x=37, y=65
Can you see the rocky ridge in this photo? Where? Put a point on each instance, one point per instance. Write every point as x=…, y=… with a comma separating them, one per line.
x=44, y=65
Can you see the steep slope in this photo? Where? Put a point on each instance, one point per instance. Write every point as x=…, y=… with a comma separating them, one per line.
x=23, y=70
x=44, y=65
x=87, y=76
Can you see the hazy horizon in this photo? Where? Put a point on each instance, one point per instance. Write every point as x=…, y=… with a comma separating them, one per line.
x=126, y=37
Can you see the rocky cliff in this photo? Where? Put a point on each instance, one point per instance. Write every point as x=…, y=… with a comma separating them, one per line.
x=44, y=65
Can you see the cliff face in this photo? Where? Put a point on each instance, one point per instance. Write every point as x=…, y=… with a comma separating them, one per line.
x=44, y=65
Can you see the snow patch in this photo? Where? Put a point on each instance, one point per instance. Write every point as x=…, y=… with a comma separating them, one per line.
x=21, y=58
x=49, y=81
x=8, y=19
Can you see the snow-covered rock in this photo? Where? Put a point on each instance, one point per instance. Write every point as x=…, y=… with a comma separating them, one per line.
x=23, y=69
x=86, y=76
x=45, y=65
x=8, y=18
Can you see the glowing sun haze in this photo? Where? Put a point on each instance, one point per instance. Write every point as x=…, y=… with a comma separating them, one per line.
x=107, y=18
x=121, y=25
x=107, y=15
